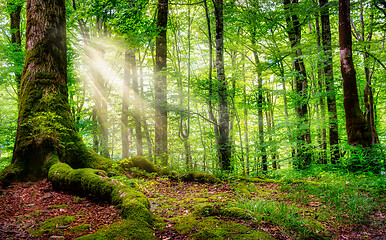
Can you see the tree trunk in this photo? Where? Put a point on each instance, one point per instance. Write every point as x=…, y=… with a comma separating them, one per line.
x=224, y=146
x=358, y=132
x=125, y=106
x=322, y=133
x=303, y=136
x=137, y=106
x=45, y=132
x=160, y=86
x=16, y=38
x=329, y=78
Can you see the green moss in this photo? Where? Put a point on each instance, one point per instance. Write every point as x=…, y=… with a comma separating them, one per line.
x=50, y=225
x=159, y=223
x=138, y=162
x=125, y=229
x=58, y=206
x=184, y=224
x=133, y=204
x=253, y=236
x=205, y=210
x=213, y=228
x=200, y=177
x=78, y=229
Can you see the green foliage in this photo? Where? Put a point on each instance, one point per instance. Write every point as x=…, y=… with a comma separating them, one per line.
x=283, y=214
x=5, y=161
x=371, y=160
x=199, y=177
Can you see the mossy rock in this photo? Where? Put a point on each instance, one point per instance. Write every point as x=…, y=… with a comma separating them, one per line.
x=126, y=229
x=200, y=177
x=50, y=225
x=138, y=162
x=206, y=210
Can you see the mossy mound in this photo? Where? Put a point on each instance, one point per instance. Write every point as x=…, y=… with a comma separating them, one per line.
x=213, y=228
x=78, y=229
x=139, y=162
x=126, y=229
x=206, y=210
x=200, y=177
x=53, y=224
x=133, y=204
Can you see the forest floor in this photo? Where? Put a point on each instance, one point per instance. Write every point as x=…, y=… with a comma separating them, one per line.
x=187, y=210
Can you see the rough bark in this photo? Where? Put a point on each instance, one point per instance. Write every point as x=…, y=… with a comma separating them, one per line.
x=160, y=86
x=45, y=132
x=303, y=136
x=224, y=146
x=358, y=132
x=329, y=79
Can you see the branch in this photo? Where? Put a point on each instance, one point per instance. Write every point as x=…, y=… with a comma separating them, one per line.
x=376, y=59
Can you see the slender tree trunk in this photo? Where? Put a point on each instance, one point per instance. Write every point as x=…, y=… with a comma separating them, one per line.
x=303, y=136
x=125, y=106
x=16, y=38
x=136, y=102
x=211, y=87
x=245, y=110
x=322, y=133
x=329, y=78
x=224, y=146
x=358, y=132
x=260, y=102
x=161, y=150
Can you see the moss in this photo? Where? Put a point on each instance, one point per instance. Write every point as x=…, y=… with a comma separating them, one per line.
x=133, y=204
x=213, y=228
x=253, y=235
x=159, y=223
x=125, y=229
x=78, y=229
x=50, y=225
x=200, y=177
x=209, y=209
x=138, y=162
x=184, y=224
x=58, y=206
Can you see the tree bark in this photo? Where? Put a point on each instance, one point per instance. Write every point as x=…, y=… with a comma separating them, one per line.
x=303, y=136
x=224, y=146
x=329, y=79
x=358, y=132
x=45, y=132
x=161, y=144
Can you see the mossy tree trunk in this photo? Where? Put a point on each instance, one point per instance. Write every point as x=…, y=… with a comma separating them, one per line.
x=45, y=132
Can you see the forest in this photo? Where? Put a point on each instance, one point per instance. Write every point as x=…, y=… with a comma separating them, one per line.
x=192, y=119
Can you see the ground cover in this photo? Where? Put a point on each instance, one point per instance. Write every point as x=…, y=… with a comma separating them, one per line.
x=239, y=209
